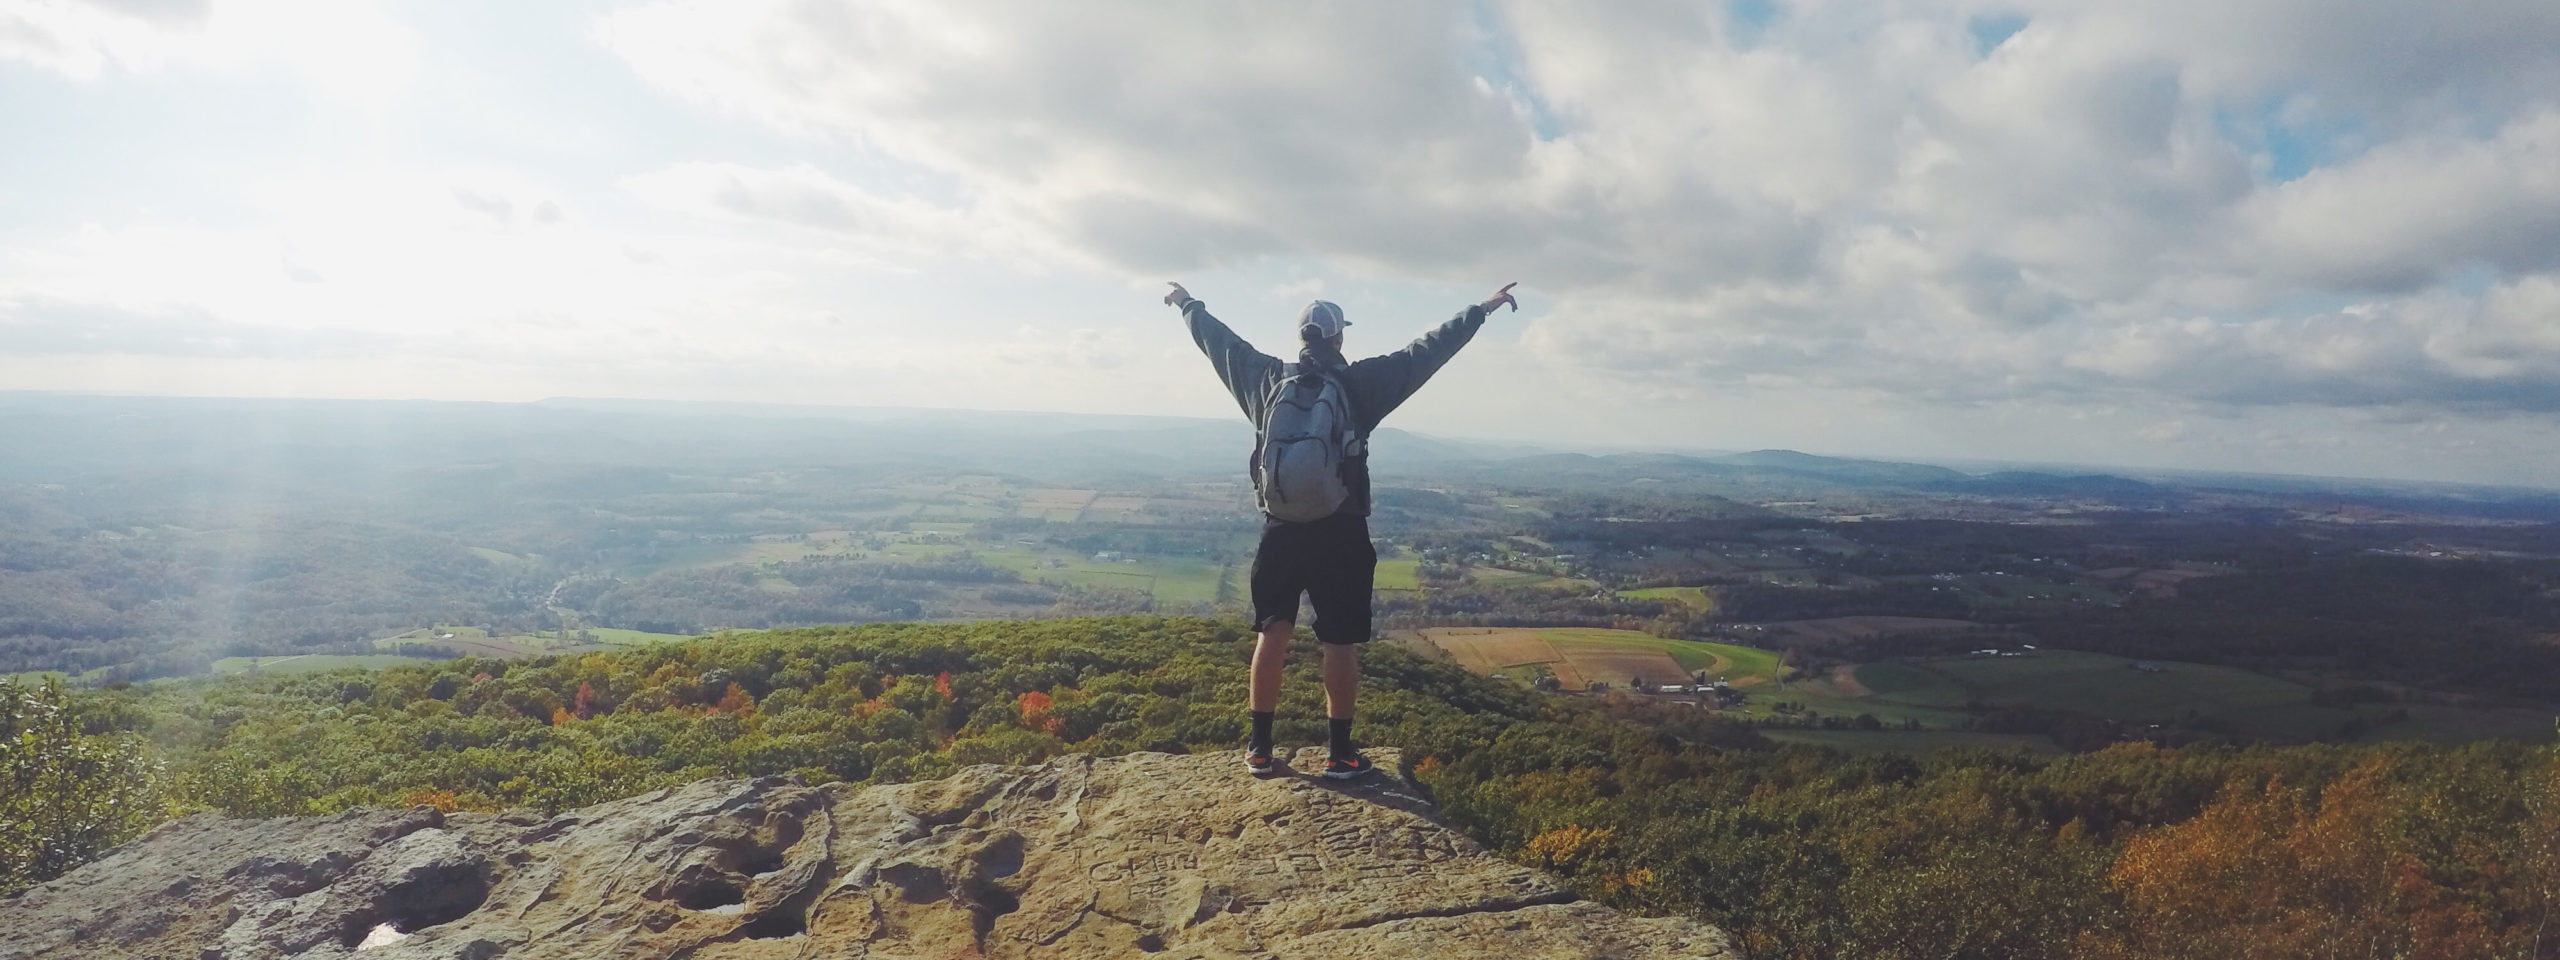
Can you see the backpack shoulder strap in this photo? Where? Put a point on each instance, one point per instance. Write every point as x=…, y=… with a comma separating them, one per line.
x=1357, y=445
x=1271, y=396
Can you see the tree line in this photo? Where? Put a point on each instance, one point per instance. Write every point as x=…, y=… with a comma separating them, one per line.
x=2132, y=851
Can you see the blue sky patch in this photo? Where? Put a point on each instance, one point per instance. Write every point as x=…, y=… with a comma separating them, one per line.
x=2286, y=148
x=1990, y=30
x=1497, y=60
x=1750, y=19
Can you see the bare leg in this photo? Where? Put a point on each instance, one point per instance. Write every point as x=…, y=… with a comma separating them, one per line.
x=1341, y=679
x=1269, y=653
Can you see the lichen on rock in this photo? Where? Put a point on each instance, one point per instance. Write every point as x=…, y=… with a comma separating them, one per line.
x=1147, y=854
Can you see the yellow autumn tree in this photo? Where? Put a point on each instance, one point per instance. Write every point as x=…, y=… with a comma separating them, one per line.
x=2275, y=870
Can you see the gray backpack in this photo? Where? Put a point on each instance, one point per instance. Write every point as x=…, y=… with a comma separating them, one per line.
x=1307, y=431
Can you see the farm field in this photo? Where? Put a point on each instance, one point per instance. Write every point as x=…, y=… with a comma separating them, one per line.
x=1113, y=509
x=698, y=556
x=1903, y=683
x=1505, y=577
x=1489, y=649
x=500, y=557
x=1399, y=575
x=619, y=636
x=2158, y=582
x=475, y=642
x=308, y=662
x=1169, y=580
x=1579, y=656
x=2446, y=724
x=1057, y=506
x=1696, y=598
x=1846, y=629
x=2111, y=687
x=1892, y=693
x=1935, y=693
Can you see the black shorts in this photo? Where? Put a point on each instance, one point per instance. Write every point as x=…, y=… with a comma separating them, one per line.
x=1329, y=560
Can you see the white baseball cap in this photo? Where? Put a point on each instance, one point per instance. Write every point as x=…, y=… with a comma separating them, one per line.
x=1325, y=317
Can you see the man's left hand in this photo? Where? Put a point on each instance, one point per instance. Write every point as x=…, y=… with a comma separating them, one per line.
x=1178, y=296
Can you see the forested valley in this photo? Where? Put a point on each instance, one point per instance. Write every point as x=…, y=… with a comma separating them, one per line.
x=2396, y=849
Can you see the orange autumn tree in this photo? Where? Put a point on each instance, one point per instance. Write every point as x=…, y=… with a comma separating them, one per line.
x=2275, y=870
x=1035, y=712
x=735, y=702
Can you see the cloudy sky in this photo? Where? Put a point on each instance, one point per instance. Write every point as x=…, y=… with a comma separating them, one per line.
x=2279, y=235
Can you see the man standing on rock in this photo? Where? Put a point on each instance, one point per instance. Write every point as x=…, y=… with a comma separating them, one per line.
x=1312, y=421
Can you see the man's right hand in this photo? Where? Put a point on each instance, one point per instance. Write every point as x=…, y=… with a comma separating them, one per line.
x=1177, y=296
x=1500, y=297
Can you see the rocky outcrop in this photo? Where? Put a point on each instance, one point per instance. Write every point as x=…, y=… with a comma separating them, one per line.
x=1143, y=855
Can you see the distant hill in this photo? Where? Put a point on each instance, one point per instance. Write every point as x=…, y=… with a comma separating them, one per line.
x=2029, y=483
x=1838, y=468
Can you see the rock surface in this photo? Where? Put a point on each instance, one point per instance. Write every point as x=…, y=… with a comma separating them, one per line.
x=1143, y=855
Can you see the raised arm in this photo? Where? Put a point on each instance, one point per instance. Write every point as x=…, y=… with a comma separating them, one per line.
x=1391, y=379
x=1247, y=372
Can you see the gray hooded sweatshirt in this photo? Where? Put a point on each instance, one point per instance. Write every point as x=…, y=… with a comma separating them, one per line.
x=1377, y=385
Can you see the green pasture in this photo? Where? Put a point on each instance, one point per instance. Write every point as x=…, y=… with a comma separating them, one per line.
x=1399, y=575
x=1505, y=577
x=2227, y=700
x=521, y=644
x=1695, y=598
x=2111, y=687
x=1895, y=694
x=905, y=550
x=698, y=556
x=1904, y=697
x=958, y=512
x=1180, y=580
x=308, y=663
x=501, y=557
x=1903, y=683
x=428, y=634
x=2450, y=724
x=619, y=636
x=1935, y=692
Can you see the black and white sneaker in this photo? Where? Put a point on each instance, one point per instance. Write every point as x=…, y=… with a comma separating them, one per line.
x=1262, y=764
x=1348, y=768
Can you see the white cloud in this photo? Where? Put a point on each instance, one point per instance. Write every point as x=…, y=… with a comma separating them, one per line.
x=2190, y=221
x=2414, y=210
x=460, y=262
x=344, y=49
x=803, y=196
x=1852, y=196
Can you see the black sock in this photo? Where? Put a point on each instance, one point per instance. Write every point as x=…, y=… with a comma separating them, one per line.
x=1261, y=742
x=1342, y=738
